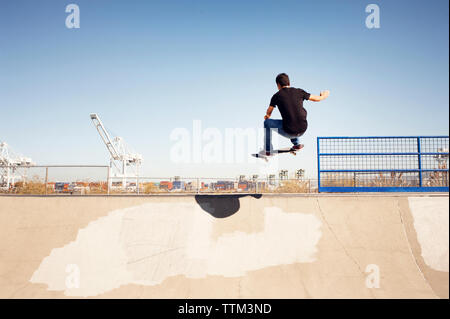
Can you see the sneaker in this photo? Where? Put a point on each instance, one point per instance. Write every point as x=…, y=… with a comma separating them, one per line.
x=264, y=153
x=297, y=147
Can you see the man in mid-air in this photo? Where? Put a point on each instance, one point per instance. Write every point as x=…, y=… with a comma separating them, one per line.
x=289, y=101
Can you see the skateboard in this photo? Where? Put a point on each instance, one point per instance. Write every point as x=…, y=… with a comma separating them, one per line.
x=275, y=152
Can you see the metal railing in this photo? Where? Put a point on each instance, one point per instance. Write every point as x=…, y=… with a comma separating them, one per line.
x=345, y=164
x=383, y=164
x=96, y=180
x=54, y=179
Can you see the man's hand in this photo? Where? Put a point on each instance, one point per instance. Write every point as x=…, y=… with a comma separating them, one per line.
x=323, y=95
x=269, y=112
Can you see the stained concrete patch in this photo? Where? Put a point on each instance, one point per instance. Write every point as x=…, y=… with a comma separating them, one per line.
x=431, y=222
x=149, y=243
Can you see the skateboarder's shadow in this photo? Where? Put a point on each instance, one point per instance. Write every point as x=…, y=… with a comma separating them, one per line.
x=221, y=206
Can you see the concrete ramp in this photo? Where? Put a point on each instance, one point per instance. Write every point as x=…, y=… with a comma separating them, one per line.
x=225, y=246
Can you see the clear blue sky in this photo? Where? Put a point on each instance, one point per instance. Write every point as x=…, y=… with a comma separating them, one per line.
x=148, y=67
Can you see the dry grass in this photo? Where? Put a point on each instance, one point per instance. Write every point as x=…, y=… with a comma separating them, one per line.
x=35, y=186
x=393, y=179
x=339, y=182
x=150, y=188
x=293, y=186
x=437, y=178
x=94, y=190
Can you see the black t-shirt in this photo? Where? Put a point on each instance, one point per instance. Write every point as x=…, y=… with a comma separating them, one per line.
x=289, y=101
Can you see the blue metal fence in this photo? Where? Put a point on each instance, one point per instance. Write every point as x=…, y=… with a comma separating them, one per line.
x=383, y=164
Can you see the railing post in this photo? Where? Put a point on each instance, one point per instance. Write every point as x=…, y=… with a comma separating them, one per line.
x=46, y=179
x=137, y=185
x=419, y=157
x=318, y=164
x=107, y=181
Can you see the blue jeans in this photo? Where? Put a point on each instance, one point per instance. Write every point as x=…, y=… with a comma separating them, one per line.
x=270, y=125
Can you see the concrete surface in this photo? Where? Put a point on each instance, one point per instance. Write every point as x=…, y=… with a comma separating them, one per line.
x=228, y=246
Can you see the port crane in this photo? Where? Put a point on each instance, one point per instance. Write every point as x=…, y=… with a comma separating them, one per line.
x=123, y=163
x=10, y=162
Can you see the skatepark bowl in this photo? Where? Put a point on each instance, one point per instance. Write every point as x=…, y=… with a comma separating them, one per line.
x=386, y=245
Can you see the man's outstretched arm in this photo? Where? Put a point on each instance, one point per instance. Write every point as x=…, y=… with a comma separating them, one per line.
x=323, y=95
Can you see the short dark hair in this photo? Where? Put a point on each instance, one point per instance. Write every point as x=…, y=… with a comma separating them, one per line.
x=283, y=79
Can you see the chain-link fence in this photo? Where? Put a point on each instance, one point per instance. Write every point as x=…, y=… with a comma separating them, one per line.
x=96, y=180
x=383, y=164
x=54, y=179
